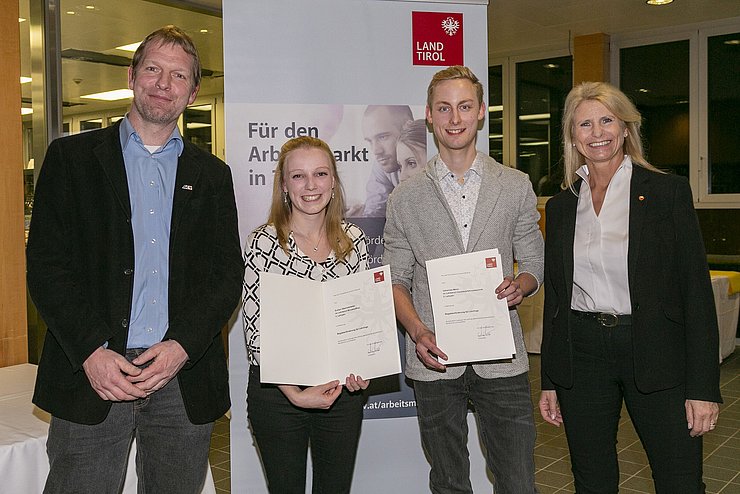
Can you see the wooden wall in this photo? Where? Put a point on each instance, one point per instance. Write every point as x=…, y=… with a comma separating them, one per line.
x=591, y=58
x=13, y=330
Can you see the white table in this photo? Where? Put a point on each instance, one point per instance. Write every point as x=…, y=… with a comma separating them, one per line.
x=530, y=315
x=727, y=306
x=23, y=430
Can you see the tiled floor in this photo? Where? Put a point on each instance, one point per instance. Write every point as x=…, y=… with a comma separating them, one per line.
x=219, y=456
x=721, y=448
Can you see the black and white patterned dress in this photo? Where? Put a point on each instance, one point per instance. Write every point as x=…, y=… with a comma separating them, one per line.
x=263, y=253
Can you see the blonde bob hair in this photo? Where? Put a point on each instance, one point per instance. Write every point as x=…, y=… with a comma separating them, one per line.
x=623, y=109
x=282, y=208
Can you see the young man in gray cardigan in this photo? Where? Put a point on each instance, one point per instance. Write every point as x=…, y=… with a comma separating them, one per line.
x=465, y=202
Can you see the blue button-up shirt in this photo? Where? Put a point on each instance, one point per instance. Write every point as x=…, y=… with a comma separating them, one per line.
x=151, y=186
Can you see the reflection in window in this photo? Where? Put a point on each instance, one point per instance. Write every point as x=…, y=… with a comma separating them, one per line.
x=197, y=123
x=541, y=88
x=662, y=97
x=92, y=124
x=723, y=95
x=496, y=113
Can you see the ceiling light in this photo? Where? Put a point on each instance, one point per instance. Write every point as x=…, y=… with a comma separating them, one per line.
x=21, y=19
x=658, y=2
x=90, y=7
x=496, y=108
x=26, y=111
x=196, y=125
x=114, y=95
x=200, y=108
x=204, y=31
x=70, y=12
x=130, y=47
x=25, y=80
x=643, y=90
x=535, y=116
x=551, y=66
x=732, y=42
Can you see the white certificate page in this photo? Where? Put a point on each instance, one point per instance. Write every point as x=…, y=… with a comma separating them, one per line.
x=471, y=324
x=312, y=332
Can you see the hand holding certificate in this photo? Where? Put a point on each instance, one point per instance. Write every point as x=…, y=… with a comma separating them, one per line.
x=312, y=332
x=471, y=323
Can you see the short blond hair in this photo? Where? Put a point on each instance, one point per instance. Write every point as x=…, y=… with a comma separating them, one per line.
x=170, y=35
x=451, y=73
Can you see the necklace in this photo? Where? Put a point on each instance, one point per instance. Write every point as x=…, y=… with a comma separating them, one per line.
x=308, y=239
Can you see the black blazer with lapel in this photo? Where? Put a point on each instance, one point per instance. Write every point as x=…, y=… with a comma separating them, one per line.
x=80, y=258
x=674, y=324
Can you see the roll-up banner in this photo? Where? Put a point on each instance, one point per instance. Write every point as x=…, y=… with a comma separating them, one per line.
x=348, y=72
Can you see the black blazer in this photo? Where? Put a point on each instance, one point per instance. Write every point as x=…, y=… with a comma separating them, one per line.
x=674, y=324
x=80, y=258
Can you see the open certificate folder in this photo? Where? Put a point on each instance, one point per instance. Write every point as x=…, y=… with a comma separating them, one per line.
x=471, y=324
x=313, y=332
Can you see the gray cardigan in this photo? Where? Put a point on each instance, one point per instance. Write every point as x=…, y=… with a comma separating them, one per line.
x=420, y=226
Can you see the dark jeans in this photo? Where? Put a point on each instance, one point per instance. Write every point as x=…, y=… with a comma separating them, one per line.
x=171, y=452
x=603, y=374
x=505, y=424
x=283, y=431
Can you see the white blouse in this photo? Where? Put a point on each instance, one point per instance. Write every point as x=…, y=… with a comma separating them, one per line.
x=600, y=280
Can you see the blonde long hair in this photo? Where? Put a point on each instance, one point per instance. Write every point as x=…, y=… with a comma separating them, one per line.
x=281, y=207
x=616, y=102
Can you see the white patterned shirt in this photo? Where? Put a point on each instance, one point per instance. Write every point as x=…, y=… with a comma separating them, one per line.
x=263, y=253
x=461, y=198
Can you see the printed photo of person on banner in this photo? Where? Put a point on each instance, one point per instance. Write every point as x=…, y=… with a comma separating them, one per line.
x=381, y=128
x=398, y=144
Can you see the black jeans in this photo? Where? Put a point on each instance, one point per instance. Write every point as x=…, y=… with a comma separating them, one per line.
x=283, y=432
x=603, y=377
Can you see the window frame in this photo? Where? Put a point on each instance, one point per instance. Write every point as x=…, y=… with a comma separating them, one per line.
x=510, y=116
x=697, y=35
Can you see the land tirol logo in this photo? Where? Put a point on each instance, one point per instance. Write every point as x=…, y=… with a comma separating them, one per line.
x=437, y=38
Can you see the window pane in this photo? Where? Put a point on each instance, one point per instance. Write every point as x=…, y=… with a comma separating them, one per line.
x=496, y=113
x=541, y=88
x=656, y=77
x=723, y=94
x=92, y=124
x=197, y=123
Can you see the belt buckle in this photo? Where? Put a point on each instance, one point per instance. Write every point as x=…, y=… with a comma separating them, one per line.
x=607, y=320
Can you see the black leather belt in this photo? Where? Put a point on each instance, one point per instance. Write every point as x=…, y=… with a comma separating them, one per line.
x=605, y=318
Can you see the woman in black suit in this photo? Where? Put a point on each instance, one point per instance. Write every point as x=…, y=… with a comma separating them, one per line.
x=629, y=313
